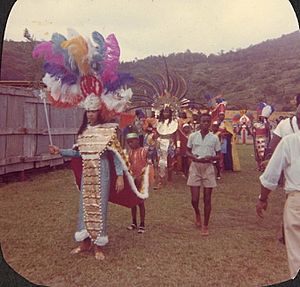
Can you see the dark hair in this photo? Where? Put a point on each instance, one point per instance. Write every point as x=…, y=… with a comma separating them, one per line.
x=85, y=122
x=161, y=115
x=298, y=99
x=204, y=115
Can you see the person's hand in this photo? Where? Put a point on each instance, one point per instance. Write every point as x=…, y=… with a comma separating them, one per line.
x=119, y=183
x=260, y=206
x=53, y=149
x=263, y=165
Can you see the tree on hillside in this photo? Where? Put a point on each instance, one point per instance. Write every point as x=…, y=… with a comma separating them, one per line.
x=28, y=36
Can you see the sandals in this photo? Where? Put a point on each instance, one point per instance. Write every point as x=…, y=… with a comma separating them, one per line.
x=132, y=226
x=141, y=229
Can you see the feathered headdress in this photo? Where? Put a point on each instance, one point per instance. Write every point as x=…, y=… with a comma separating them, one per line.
x=236, y=118
x=220, y=107
x=82, y=72
x=264, y=110
x=158, y=91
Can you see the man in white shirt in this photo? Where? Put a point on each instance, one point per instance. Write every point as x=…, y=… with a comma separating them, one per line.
x=285, y=127
x=286, y=158
x=203, y=148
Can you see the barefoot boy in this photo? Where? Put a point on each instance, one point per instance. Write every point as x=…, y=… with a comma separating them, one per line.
x=203, y=148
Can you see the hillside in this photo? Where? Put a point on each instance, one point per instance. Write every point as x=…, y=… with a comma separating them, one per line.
x=269, y=71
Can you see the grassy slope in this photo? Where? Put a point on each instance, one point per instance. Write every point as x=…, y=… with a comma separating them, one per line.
x=38, y=218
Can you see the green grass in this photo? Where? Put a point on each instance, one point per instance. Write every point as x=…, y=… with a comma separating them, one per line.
x=38, y=220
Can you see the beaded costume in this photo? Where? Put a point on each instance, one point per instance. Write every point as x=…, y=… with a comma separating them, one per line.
x=83, y=73
x=99, y=147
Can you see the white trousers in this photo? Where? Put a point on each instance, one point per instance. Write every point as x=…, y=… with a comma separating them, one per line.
x=291, y=219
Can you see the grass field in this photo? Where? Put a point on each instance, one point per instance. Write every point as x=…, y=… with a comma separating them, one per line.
x=38, y=220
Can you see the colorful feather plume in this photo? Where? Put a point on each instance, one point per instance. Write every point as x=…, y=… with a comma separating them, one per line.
x=45, y=50
x=111, y=61
x=78, y=50
x=60, y=72
x=122, y=80
x=260, y=106
x=57, y=39
x=98, y=54
x=76, y=68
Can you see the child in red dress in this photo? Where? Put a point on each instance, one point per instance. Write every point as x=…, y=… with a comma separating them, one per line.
x=138, y=158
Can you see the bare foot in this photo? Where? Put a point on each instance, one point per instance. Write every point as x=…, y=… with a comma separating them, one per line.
x=76, y=250
x=198, y=221
x=99, y=255
x=85, y=245
x=204, y=231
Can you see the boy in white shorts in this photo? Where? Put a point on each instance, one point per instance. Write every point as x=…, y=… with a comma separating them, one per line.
x=203, y=148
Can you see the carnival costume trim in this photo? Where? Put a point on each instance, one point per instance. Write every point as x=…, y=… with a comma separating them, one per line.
x=92, y=144
x=261, y=131
x=164, y=128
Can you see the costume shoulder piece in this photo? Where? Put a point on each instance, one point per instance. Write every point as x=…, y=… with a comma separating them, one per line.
x=115, y=146
x=94, y=140
x=163, y=128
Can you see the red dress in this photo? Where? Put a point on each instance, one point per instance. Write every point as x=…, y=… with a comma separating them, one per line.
x=138, y=159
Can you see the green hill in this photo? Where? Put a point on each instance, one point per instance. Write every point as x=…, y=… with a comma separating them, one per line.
x=269, y=71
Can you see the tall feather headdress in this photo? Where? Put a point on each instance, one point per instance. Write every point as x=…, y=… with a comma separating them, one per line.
x=78, y=69
x=160, y=90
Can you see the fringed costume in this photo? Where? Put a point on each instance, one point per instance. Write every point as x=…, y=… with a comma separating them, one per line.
x=102, y=159
x=83, y=73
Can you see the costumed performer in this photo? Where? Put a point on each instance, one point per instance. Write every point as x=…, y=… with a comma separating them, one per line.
x=261, y=132
x=166, y=128
x=152, y=143
x=244, y=127
x=79, y=73
x=150, y=121
x=228, y=138
x=164, y=94
x=139, y=159
x=183, y=135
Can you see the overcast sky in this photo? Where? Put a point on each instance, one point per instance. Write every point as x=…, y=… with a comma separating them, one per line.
x=155, y=27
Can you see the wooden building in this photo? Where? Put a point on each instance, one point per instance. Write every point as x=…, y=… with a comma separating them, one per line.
x=24, y=135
